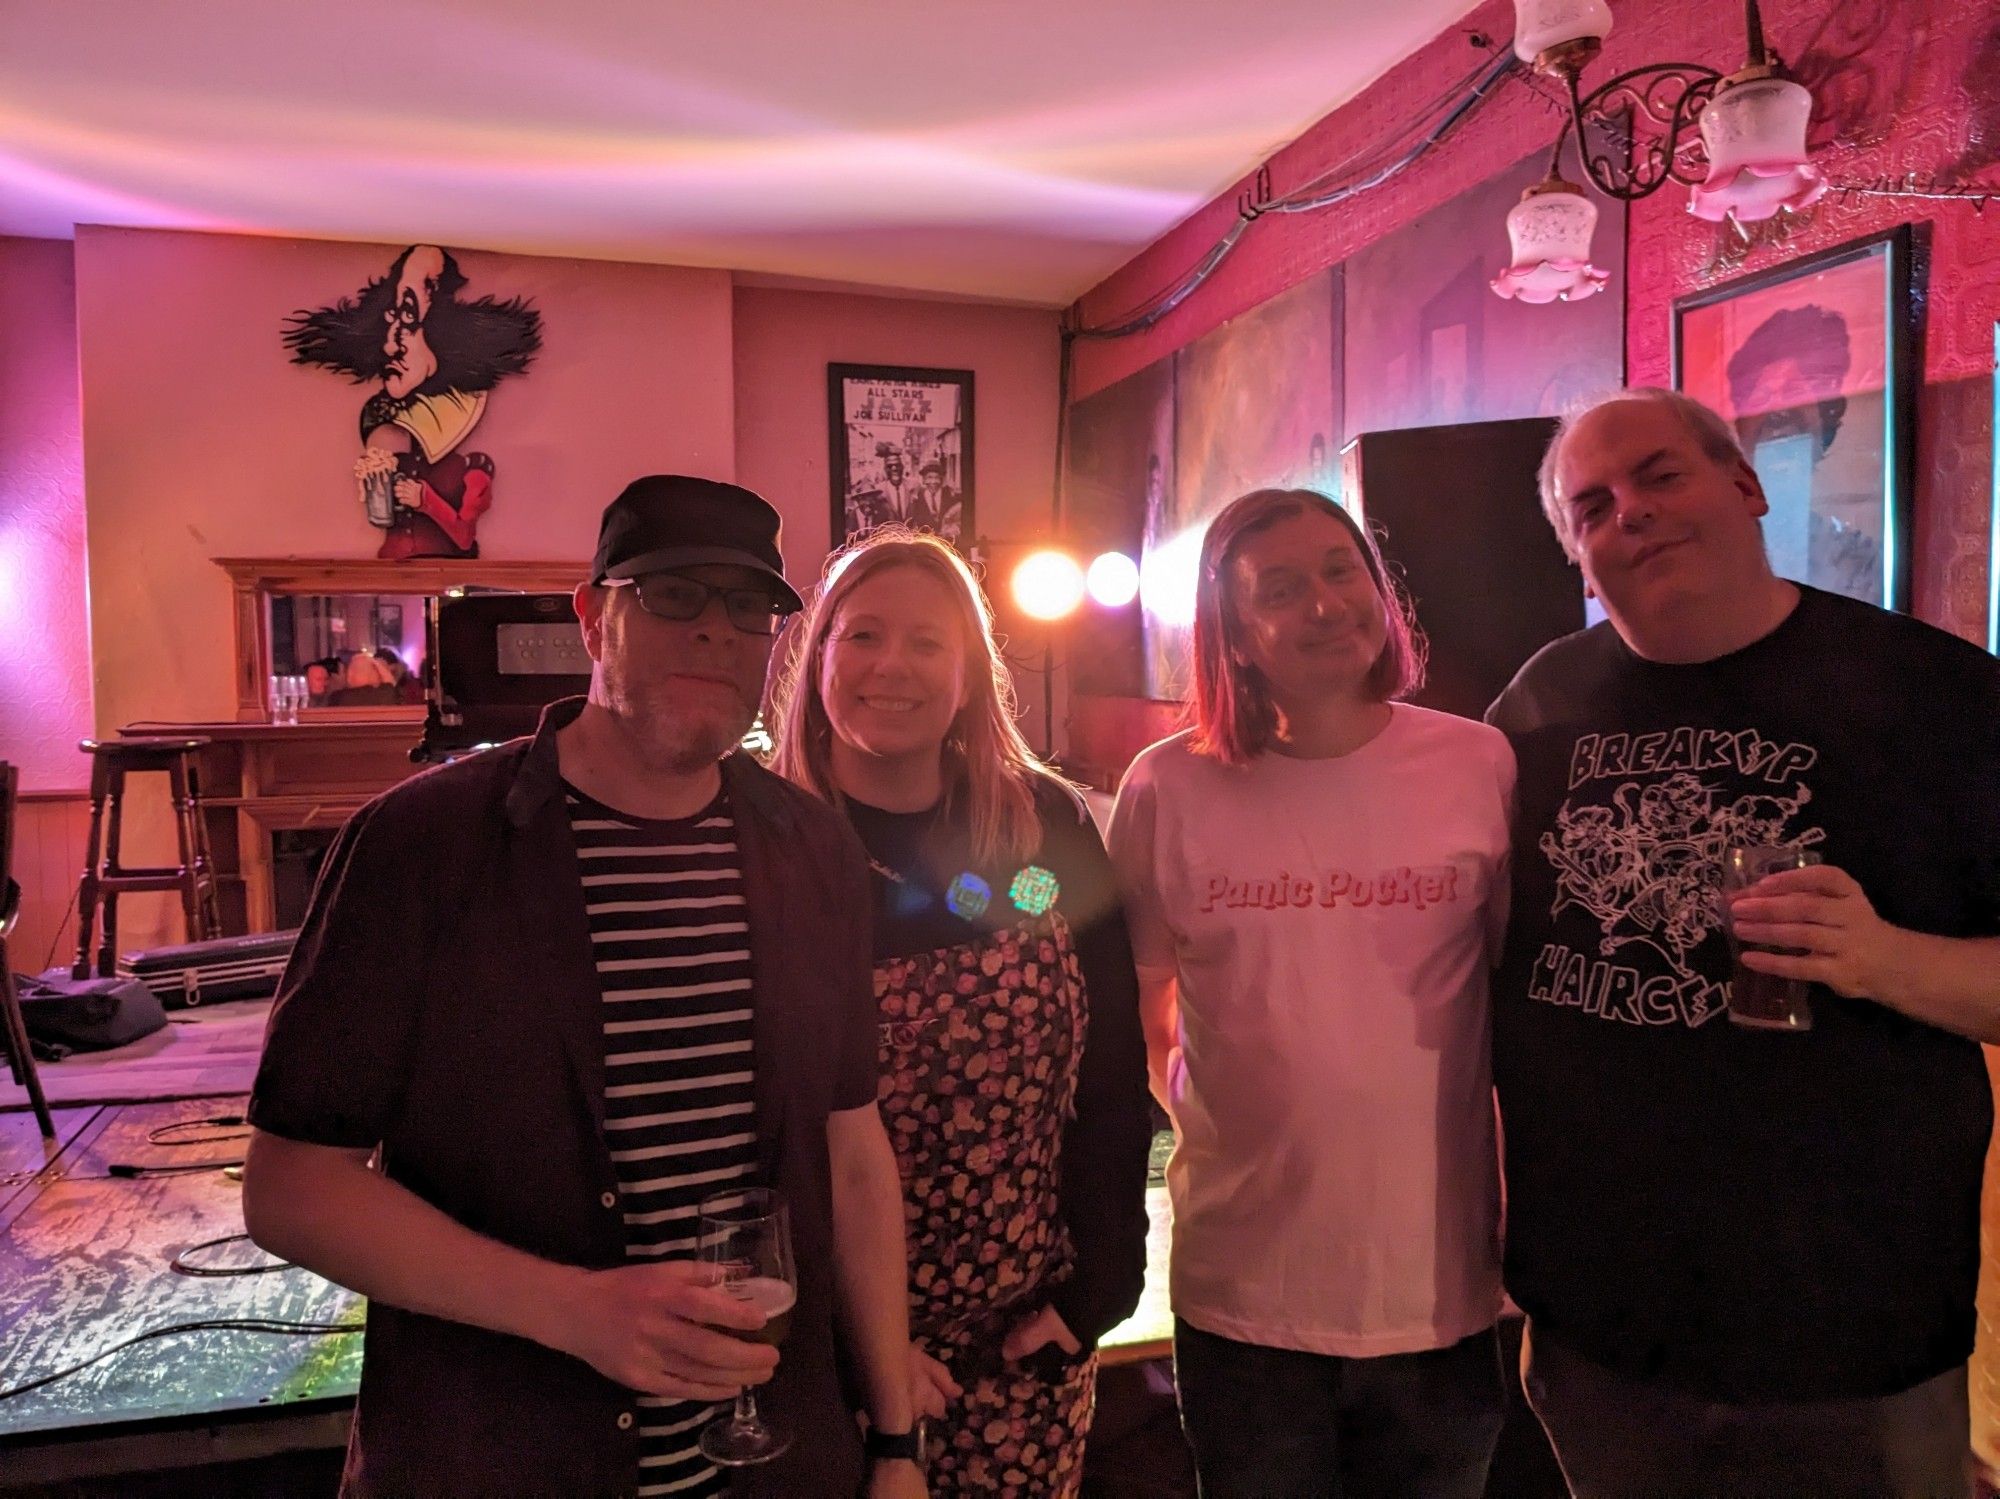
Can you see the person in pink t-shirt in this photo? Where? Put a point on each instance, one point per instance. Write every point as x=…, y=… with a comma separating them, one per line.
x=1316, y=881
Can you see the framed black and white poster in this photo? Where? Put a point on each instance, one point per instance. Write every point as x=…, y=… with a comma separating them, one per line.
x=1814, y=363
x=902, y=449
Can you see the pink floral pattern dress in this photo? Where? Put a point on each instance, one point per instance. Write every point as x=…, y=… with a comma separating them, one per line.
x=979, y=1049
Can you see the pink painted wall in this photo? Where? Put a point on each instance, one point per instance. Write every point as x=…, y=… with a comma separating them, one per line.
x=202, y=440
x=198, y=438
x=786, y=338
x=45, y=666
x=1910, y=87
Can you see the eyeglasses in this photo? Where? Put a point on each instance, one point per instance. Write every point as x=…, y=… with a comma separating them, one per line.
x=678, y=597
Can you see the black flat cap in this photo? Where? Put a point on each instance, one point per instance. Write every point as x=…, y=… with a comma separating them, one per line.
x=676, y=520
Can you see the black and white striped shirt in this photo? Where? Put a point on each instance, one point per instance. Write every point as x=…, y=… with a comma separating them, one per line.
x=671, y=943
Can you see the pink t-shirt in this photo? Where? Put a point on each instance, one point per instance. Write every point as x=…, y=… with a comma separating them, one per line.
x=1332, y=924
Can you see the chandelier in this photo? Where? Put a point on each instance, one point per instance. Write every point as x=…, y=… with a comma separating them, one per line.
x=1737, y=141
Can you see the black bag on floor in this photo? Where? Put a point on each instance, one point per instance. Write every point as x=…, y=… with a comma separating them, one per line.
x=88, y=1014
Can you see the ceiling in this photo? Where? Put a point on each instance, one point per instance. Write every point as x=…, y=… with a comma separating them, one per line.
x=1019, y=151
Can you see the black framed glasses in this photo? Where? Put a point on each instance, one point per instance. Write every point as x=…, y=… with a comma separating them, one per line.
x=676, y=596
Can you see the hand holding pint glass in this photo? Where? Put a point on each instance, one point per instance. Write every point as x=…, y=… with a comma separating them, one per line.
x=745, y=1236
x=1762, y=1001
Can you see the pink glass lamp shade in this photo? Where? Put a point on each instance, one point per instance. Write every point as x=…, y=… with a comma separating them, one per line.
x=1541, y=26
x=1550, y=229
x=1755, y=132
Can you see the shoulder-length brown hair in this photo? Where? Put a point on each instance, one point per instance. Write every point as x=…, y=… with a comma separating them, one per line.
x=1233, y=715
x=988, y=767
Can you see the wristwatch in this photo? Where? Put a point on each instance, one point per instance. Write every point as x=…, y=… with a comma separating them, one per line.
x=892, y=1446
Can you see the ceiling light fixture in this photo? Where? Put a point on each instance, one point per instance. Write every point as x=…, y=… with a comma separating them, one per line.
x=1738, y=142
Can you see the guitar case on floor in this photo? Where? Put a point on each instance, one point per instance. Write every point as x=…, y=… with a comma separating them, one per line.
x=200, y=973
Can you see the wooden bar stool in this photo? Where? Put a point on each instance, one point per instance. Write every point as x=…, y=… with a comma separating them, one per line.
x=13, y=1029
x=105, y=879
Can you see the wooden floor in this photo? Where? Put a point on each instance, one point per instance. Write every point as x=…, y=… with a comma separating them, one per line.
x=204, y=1052
x=84, y=1265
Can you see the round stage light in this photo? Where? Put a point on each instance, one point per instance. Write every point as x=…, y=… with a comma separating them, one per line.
x=1048, y=585
x=1113, y=580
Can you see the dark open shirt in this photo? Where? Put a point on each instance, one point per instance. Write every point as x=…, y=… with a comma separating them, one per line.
x=442, y=1003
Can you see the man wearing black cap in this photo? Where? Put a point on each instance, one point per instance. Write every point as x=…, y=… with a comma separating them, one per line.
x=559, y=994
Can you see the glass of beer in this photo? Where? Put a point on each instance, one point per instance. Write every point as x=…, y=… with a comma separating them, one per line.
x=746, y=1237
x=1762, y=1001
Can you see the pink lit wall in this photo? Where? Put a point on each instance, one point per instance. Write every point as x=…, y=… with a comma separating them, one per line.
x=1911, y=87
x=198, y=439
x=45, y=663
x=203, y=440
x=786, y=338
x=784, y=341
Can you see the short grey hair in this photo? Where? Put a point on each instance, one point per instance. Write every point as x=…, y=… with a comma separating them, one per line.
x=1711, y=430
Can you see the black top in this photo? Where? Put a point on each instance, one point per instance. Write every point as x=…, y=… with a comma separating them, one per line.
x=1745, y=1214
x=1104, y=1149
x=442, y=1002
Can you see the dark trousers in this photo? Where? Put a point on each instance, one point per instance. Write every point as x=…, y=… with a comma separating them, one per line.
x=1620, y=1438
x=1272, y=1423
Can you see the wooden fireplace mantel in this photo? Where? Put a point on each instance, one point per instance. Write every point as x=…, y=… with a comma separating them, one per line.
x=256, y=578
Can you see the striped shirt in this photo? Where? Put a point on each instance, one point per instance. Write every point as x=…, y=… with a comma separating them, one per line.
x=672, y=948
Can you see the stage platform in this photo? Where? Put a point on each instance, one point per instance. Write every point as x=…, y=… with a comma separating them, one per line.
x=85, y=1264
x=205, y=1052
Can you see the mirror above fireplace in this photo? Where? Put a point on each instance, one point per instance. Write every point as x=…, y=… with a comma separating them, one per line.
x=298, y=616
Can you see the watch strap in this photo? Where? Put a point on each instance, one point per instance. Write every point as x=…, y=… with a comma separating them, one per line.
x=887, y=1446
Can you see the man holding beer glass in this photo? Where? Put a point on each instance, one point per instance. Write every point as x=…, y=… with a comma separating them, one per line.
x=1756, y=898
x=548, y=1002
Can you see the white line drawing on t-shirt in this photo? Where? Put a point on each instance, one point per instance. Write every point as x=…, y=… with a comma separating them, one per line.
x=1648, y=867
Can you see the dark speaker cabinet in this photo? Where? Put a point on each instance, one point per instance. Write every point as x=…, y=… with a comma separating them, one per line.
x=1456, y=514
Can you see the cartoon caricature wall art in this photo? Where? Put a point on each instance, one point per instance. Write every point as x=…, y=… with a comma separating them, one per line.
x=436, y=358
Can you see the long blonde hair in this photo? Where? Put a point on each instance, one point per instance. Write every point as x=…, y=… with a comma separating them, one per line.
x=988, y=767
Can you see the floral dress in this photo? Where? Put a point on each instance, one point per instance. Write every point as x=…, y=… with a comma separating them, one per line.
x=979, y=1049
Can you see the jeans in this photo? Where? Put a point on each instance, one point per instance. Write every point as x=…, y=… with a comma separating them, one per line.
x=1621, y=1438
x=1273, y=1423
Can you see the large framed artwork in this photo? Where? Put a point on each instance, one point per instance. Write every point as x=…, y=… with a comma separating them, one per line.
x=1814, y=364
x=901, y=449
x=1256, y=404
x=1429, y=345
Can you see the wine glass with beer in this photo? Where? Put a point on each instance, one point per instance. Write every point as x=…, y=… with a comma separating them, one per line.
x=745, y=1238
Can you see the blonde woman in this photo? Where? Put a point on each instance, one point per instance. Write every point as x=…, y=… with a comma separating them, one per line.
x=1013, y=1063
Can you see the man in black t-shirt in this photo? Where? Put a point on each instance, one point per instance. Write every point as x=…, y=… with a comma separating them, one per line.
x=1748, y=1258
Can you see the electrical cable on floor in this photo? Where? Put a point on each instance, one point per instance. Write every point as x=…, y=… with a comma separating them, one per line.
x=270, y=1326
x=166, y=1138
x=69, y=911
x=183, y=1263
x=130, y=1170
x=166, y=1133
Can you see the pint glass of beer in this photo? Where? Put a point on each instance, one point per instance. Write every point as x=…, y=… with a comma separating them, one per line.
x=1762, y=1001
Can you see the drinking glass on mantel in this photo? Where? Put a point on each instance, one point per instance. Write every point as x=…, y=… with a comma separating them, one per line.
x=285, y=693
x=745, y=1235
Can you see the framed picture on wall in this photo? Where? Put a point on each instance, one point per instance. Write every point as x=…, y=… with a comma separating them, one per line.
x=1814, y=364
x=901, y=449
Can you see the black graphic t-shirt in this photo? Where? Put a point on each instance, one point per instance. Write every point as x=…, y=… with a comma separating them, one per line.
x=1745, y=1214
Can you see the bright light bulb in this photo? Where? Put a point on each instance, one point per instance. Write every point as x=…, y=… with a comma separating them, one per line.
x=1113, y=580
x=1048, y=585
